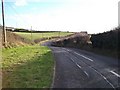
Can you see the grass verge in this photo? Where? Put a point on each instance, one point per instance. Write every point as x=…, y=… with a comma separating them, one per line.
x=27, y=67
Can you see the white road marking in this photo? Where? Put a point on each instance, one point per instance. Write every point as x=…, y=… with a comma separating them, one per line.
x=84, y=56
x=78, y=65
x=66, y=49
x=72, y=60
x=79, y=55
x=86, y=73
x=103, y=77
x=115, y=74
x=94, y=69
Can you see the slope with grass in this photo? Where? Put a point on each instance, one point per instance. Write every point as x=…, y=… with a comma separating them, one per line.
x=14, y=40
x=27, y=67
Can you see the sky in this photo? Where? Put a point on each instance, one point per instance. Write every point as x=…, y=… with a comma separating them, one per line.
x=93, y=16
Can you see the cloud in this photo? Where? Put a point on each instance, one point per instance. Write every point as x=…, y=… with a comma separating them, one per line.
x=93, y=16
x=20, y=2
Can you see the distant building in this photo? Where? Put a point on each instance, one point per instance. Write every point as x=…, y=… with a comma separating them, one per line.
x=10, y=28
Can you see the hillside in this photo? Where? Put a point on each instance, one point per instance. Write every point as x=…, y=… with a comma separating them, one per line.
x=15, y=40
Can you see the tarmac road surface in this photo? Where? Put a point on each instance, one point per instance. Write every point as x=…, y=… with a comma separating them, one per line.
x=75, y=68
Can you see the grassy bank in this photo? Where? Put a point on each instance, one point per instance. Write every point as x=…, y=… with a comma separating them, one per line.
x=27, y=67
x=42, y=35
x=14, y=40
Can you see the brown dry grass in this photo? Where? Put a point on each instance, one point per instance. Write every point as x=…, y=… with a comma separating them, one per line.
x=15, y=40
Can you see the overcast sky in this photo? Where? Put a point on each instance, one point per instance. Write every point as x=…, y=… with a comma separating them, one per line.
x=93, y=16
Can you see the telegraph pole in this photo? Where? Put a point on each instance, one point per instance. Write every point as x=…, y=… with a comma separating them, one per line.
x=4, y=31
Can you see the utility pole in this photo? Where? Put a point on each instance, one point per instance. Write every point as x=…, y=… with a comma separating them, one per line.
x=4, y=31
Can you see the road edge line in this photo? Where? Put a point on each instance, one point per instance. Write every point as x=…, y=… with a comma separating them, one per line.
x=54, y=69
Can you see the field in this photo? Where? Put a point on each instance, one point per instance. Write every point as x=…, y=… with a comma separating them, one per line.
x=42, y=35
x=27, y=67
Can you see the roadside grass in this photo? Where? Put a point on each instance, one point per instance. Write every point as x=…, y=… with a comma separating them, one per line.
x=27, y=67
x=42, y=35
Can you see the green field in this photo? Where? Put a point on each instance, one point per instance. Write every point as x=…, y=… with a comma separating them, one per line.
x=27, y=67
x=42, y=35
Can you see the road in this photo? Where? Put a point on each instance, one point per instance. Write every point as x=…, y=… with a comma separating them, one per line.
x=75, y=68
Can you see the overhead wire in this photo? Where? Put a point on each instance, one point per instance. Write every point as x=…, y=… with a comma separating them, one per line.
x=17, y=15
